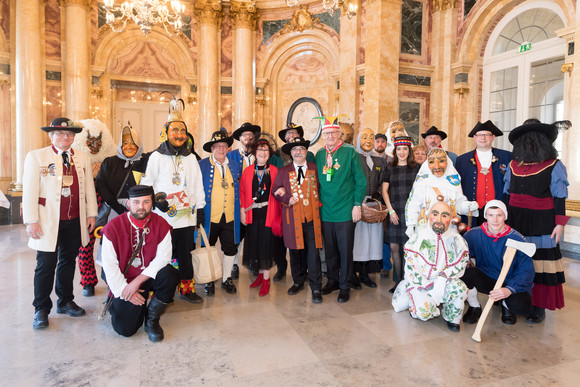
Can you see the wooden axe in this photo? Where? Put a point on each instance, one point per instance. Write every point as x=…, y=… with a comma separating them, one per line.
x=512, y=246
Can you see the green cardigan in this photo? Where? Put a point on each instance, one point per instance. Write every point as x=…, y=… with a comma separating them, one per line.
x=347, y=187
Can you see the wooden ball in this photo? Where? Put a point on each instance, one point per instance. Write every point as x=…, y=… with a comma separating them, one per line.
x=456, y=220
x=440, y=198
x=461, y=228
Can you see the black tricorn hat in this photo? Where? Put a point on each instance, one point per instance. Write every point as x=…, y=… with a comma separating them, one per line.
x=140, y=190
x=218, y=136
x=62, y=123
x=246, y=127
x=487, y=125
x=434, y=130
x=296, y=141
x=549, y=130
x=282, y=133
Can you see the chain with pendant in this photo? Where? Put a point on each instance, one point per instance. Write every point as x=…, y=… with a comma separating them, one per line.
x=176, y=179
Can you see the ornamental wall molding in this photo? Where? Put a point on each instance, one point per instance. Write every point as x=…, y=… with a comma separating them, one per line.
x=244, y=14
x=442, y=5
x=300, y=21
x=208, y=12
x=84, y=3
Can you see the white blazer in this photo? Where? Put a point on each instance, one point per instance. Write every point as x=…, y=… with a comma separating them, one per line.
x=42, y=178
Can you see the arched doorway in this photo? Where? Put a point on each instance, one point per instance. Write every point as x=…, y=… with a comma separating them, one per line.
x=521, y=68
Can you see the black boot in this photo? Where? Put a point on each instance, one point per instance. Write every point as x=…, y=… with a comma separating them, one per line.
x=154, y=311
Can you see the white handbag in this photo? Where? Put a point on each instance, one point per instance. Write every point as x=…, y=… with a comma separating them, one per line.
x=207, y=265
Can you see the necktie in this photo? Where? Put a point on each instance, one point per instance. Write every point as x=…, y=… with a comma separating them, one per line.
x=300, y=175
x=65, y=159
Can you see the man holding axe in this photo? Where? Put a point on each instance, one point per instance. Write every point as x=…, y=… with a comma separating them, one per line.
x=494, y=245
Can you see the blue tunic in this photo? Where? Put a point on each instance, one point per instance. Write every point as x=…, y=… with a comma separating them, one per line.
x=489, y=259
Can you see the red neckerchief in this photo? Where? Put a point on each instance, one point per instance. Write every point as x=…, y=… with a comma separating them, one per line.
x=506, y=230
x=330, y=154
x=139, y=223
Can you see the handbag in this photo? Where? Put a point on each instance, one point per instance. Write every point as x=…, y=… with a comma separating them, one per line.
x=105, y=209
x=207, y=265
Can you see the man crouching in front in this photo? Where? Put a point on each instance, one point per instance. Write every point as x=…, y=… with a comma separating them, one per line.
x=136, y=251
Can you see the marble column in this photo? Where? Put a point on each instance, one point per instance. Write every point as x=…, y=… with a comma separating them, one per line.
x=76, y=62
x=383, y=48
x=571, y=156
x=28, y=77
x=443, y=53
x=349, y=59
x=244, y=16
x=209, y=15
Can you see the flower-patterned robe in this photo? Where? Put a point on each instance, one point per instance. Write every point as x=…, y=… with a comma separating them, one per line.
x=434, y=265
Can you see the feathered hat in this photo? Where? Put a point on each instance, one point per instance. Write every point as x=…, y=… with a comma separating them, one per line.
x=330, y=122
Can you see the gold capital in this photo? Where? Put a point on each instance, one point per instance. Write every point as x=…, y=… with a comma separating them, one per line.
x=84, y=3
x=208, y=12
x=244, y=14
x=442, y=5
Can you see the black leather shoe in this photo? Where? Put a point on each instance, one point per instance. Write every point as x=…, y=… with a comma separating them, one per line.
x=472, y=315
x=507, y=317
x=452, y=327
x=71, y=309
x=367, y=281
x=355, y=282
x=229, y=286
x=235, y=272
x=343, y=295
x=88, y=290
x=209, y=289
x=40, y=319
x=316, y=296
x=329, y=288
x=537, y=316
x=392, y=290
x=279, y=276
x=194, y=298
x=294, y=289
x=385, y=273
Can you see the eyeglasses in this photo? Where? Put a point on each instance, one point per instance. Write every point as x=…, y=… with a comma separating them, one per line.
x=331, y=133
x=247, y=134
x=483, y=135
x=220, y=146
x=60, y=133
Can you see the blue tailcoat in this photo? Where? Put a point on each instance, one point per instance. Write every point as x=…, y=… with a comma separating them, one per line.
x=208, y=172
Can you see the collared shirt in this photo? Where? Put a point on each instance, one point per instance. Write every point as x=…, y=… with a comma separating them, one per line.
x=304, y=169
x=248, y=158
x=217, y=163
x=484, y=158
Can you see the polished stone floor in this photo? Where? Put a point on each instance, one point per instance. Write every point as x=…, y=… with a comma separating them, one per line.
x=277, y=340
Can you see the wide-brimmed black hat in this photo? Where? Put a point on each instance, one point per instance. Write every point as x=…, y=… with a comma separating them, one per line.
x=296, y=141
x=218, y=136
x=548, y=130
x=434, y=130
x=246, y=127
x=282, y=133
x=488, y=126
x=63, y=123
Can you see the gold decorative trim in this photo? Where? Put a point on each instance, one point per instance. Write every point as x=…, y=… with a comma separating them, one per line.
x=573, y=205
x=244, y=14
x=300, y=21
x=461, y=88
x=208, y=12
x=567, y=67
x=83, y=3
x=442, y=5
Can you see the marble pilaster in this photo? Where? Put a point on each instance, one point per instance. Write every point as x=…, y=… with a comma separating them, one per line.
x=28, y=74
x=209, y=15
x=76, y=59
x=572, y=136
x=244, y=16
x=349, y=59
x=443, y=53
x=383, y=47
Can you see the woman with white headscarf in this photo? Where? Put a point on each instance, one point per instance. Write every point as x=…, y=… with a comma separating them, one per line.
x=368, y=237
x=437, y=177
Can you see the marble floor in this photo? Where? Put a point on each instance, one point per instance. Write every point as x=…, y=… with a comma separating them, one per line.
x=277, y=340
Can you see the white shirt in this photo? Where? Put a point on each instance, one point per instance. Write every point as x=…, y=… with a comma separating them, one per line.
x=218, y=166
x=304, y=169
x=484, y=158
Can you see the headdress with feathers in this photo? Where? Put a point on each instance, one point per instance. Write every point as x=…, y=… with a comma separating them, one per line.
x=95, y=128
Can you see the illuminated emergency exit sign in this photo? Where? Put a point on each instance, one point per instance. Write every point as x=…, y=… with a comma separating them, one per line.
x=525, y=47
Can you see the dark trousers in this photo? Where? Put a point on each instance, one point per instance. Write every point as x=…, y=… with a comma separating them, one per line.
x=518, y=303
x=127, y=318
x=338, y=245
x=306, y=259
x=280, y=258
x=62, y=260
x=183, y=242
x=227, y=235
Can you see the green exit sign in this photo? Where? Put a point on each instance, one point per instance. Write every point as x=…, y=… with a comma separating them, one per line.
x=525, y=47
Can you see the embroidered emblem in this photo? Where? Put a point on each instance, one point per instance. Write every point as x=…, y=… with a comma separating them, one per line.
x=43, y=171
x=51, y=169
x=421, y=177
x=171, y=212
x=454, y=180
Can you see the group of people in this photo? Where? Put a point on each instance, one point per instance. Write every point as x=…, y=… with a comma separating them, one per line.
x=269, y=202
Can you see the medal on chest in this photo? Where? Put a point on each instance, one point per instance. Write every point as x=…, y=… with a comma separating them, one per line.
x=484, y=171
x=176, y=179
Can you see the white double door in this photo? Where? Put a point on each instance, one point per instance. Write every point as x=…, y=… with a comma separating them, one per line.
x=147, y=118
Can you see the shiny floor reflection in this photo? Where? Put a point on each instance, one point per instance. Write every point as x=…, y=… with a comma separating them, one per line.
x=277, y=340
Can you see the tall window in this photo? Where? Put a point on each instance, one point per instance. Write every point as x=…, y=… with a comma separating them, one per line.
x=521, y=69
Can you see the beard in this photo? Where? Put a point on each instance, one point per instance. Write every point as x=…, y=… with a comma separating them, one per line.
x=438, y=227
x=140, y=214
x=380, y=149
